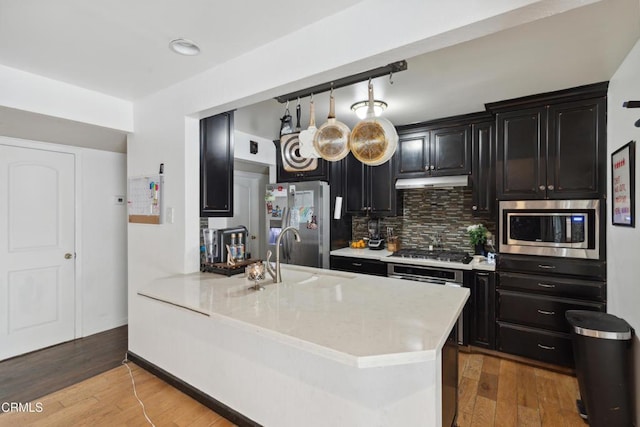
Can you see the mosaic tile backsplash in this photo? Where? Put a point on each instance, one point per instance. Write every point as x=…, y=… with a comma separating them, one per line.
x=429, y=214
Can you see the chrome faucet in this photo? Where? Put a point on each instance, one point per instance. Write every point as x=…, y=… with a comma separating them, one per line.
x=276, y=274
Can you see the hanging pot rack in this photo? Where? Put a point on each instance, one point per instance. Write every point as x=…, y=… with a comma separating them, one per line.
x=389, y=69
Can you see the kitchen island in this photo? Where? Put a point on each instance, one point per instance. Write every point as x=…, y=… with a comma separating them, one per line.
x=321, y=348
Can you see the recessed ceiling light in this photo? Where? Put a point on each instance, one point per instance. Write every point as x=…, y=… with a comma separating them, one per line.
x=184, y=47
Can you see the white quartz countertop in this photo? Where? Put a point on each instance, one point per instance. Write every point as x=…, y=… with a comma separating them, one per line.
x=384, y=255
x=356, y=319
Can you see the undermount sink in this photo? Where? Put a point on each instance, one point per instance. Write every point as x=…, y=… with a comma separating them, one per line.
x=299, y=275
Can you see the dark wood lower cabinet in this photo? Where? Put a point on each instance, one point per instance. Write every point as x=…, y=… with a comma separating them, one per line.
x=531, y=307
x=537, y=344
x=541, y=311
x=358, y=265
x=450, y=379
x=482, y=310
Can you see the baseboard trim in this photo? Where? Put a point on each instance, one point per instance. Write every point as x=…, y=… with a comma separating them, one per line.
x=208, y=401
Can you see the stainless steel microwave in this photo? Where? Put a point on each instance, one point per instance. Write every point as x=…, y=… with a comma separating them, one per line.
x=560, y=228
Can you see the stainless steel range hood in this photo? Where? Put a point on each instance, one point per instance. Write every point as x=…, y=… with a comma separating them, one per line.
x=433, y=182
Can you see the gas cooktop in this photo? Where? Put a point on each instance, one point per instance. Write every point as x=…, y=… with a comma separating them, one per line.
x=438, y=255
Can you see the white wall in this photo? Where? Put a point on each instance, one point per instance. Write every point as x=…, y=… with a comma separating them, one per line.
x=266, y=149
x=103, y=253
x=29, y=92
x=623, y=243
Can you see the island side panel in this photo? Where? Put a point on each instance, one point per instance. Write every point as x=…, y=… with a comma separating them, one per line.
x=277, y=384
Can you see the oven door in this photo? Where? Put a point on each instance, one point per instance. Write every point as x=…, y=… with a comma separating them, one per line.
x=438, y=276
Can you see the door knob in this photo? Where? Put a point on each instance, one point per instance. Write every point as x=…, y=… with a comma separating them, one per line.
x=253, y=237
x=68, y=256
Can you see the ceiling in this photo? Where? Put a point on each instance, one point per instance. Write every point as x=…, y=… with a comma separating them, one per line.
x=581, y=46
x=120, y=48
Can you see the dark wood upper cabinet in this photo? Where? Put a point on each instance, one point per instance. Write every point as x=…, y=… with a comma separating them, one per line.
x=435, y=148
x=553, y=145
x=413, y=153
x=450, y=151
x=521, y=148
x=355, y=186
x=320, y=173
x=216, y=166
x=483, y=167
x=370, y=190
x=576, y=149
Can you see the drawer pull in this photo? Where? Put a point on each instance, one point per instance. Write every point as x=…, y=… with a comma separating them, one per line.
x=548, y=313
x=546, y=347
x=546, y=267
x=356, y=264
x=546, y=285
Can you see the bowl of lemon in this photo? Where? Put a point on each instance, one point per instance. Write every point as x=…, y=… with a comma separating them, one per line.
x=357, y=244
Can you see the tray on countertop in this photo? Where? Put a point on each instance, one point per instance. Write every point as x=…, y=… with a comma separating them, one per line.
x=224, y=268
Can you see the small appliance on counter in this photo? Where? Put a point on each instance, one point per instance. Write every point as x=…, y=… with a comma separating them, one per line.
x=216, y=241
x=376, y=242
x=224, y=251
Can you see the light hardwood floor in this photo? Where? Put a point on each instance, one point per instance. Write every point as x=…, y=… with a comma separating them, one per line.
x=108, y=400
x=493, y=392
x=501, y=393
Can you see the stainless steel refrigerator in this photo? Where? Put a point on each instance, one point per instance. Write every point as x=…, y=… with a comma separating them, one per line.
x=305, y=206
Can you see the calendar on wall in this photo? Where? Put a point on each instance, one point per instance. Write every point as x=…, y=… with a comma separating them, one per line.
x=144, y=199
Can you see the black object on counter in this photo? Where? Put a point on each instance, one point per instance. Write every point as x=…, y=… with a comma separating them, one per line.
x=602, y=350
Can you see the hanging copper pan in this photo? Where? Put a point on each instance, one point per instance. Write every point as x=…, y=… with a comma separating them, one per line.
x=331, y=140
x=374, y=139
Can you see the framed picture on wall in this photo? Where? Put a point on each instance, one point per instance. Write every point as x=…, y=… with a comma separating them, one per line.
x=623, y=185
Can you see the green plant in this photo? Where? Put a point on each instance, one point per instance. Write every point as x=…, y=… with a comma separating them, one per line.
x=477, y=234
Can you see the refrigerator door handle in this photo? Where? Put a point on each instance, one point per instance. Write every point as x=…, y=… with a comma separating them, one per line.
x=288, y=238
x=286, y=221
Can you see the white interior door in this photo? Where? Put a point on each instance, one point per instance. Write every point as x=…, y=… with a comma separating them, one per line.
x=37, y=249
x=247, y=202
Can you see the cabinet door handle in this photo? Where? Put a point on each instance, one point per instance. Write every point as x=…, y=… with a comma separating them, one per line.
x=356, y=264
x=546, y=347
x=546, y=267
x=474, y=208
x=432, y=167
x=542, y=187
x=426, y=167
x=546, y=285
x=548, y=313
x=550, y=187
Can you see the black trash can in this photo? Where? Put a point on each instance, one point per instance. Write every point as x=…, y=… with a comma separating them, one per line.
x=602, y=350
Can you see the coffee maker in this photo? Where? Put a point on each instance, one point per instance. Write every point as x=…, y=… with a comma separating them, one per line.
x=376, y=242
